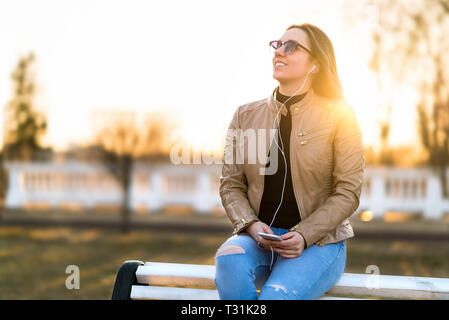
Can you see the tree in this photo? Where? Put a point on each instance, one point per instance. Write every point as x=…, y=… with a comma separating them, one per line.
x=380, y=65
x=3, y=184
x=428, y=46
x=411, y=45
x=24, y=126
x=124, y=138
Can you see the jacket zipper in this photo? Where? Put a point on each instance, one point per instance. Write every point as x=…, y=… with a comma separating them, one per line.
x=303, y=133
x=295, y=187
x=304, y=142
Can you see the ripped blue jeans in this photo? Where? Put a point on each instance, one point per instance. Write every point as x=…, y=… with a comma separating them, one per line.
x=242, y=267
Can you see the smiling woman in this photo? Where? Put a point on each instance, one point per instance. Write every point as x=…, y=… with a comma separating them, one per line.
x=326, y=81
x=313, y=191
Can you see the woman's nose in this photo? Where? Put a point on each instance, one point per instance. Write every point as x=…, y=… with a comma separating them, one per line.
x=279, y=52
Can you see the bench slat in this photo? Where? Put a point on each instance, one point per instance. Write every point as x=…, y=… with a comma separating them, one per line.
x=350, y=284
x=170, y=293
x=392, y=286
x=176, y=274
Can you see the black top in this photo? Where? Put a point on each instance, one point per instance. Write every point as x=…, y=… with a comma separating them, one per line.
x=288, y=213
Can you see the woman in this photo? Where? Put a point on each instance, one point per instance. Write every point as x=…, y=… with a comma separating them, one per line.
x=316, y=186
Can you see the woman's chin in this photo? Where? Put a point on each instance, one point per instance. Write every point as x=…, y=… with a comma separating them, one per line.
x=280, y=77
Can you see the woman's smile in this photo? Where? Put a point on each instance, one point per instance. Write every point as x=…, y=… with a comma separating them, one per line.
x=279, y=64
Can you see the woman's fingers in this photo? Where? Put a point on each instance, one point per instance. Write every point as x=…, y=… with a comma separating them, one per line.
x=267, y=229
x=284, y=251
x=293, y=251
x=287, y=236
x=287, y=253
x=267, y=244
x=287, y=248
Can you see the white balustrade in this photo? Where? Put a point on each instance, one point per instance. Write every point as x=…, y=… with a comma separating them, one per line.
x=154, y=186
x=414, y=190
x=89, y=185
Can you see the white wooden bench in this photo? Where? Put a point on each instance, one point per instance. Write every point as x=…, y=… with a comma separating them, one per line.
x=173, y=281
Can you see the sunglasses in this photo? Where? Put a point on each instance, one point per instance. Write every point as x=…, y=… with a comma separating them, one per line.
x=289, y=46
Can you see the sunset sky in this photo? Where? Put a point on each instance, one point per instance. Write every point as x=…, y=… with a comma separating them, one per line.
x=198, y=60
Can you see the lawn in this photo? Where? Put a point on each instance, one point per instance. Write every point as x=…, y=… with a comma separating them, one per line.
x=33, y=260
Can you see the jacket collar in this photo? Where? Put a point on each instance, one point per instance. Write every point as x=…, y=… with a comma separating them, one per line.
x=304, y=101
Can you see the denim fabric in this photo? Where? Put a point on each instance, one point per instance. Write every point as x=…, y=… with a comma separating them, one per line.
x=309, y=276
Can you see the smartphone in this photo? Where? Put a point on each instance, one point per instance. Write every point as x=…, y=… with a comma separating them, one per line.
x=269, y=236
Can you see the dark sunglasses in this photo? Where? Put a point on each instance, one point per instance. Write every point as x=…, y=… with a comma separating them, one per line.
x=289, y=46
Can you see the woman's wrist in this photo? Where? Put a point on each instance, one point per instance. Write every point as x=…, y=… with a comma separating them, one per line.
x=304, y=239
x=250, y=223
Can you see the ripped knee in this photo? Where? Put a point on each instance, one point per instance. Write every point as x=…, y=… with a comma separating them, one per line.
x=278, y=287
x=274, y=291
x=228, y=249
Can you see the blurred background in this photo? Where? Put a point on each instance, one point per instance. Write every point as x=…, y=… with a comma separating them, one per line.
x=98, y=96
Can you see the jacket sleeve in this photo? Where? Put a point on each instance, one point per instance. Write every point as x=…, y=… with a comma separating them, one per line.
x=349, y=166
x=233, y=182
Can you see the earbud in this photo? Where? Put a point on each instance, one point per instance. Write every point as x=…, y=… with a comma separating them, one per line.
x=313, y=68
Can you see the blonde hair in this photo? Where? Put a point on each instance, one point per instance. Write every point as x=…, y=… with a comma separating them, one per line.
x=326, y=82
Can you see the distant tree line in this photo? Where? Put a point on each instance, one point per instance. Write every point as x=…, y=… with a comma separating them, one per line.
x=411, y=47
x=121, y=138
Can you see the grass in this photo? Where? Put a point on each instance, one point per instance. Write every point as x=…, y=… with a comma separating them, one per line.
x=33, y=260
x=403, y=258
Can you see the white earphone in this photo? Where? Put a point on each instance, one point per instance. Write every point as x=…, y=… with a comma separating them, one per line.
x=282, y=150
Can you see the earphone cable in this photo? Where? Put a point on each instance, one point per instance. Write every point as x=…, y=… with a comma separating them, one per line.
x=282, y=152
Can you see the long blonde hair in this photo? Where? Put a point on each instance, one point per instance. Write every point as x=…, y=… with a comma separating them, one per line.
x=326, y=82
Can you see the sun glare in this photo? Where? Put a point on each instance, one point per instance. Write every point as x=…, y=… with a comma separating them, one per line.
x=78, y=73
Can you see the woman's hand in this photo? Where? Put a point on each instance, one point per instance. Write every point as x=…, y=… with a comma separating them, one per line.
x=291, y=246
x=259, y=226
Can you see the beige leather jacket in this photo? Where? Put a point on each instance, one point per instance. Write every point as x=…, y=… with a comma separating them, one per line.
x=326, y=159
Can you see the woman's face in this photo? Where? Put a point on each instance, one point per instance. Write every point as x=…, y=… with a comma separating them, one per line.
x=294, y=67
